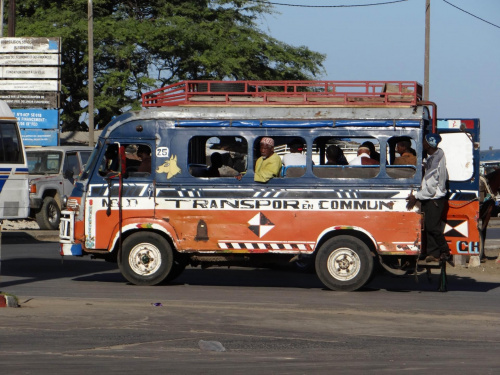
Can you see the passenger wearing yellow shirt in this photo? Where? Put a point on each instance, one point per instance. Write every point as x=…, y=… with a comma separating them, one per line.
x=269, y=163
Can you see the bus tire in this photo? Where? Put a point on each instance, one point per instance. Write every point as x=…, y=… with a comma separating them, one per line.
x=49, y=215
x=146, y=258
x=344, y=263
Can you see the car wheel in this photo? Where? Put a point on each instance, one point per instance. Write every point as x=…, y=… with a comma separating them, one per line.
x=146, y=258
x=344, y=263
x=49, y=215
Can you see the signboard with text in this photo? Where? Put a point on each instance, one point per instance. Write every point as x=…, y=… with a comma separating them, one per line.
x=38, y=72
x=40, y=137
x=19, y=99
x=32, y=59
x=37, y=118
x=29, y=85
x=30, y=82
x=27, y=45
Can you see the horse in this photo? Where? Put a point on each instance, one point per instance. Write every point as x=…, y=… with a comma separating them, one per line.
x=489, y=187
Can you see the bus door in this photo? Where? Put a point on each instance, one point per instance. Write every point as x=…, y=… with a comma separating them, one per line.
x=133, y=190
x=460, y=140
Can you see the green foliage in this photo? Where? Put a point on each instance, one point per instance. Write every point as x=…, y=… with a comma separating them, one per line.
x=139, y=47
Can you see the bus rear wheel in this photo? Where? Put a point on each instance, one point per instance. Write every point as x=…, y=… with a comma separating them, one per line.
x=344, y=263
x=146, y=258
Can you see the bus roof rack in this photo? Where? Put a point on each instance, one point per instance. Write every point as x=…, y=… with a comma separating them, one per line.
x=285, y=93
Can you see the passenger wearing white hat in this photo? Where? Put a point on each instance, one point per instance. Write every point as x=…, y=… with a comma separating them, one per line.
x=432, y=196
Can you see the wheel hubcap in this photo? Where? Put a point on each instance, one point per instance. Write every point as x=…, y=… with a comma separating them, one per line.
x=145, y=259
x=343, y=264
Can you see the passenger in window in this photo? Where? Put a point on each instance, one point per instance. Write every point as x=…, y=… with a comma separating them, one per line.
x=295, y=157
x=363, y=157
x=215, y=164
x=133, y=161
x=144, y=152
x=335, y=156
x=403, y=148
x=110, y=163
x=373, y=153
x=269, y=164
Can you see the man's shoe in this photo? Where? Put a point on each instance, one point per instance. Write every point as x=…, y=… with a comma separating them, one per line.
x=447, y=257
x=431, y=258
x=422, y=256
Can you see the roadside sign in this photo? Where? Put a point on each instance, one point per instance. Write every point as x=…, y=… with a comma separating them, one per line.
x=36, y=137
x=37, y=118
x=27, y=85
x=30, y=59
x=38, y=72
x=19, y=99
x=27, y=45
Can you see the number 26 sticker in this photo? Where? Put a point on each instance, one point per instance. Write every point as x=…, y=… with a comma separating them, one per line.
x=162, y=152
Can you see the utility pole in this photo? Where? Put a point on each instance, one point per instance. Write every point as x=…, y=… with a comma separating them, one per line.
x=91, y=73
x=427, y=47
x=1, y=18
x=12, y=19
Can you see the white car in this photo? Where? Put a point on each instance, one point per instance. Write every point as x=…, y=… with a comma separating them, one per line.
x=52, y=172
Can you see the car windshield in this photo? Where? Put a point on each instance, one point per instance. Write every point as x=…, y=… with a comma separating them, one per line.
x=44, y=162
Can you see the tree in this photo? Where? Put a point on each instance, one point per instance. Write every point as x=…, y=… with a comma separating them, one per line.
x=139, y=47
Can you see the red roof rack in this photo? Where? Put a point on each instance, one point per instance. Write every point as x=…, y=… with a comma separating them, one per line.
x=279, y=93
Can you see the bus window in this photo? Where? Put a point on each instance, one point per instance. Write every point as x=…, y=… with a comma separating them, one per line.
x=293, y=155
x=347, y=157
x=14, y=191
x=402, y=157
x=217, y=156
x=10, y=150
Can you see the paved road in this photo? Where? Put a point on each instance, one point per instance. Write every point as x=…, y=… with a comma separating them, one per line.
x=81, y=316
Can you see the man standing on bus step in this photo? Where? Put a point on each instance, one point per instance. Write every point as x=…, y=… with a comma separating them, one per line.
x=269, y=163
x=432, y=196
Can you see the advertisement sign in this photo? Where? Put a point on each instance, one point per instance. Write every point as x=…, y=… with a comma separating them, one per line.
x=37, y=118
x=33, y=137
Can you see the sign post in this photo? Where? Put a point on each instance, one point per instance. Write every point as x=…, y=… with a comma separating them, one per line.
x=30, y=82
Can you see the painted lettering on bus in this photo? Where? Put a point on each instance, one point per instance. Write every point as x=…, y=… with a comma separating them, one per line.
x=126, y=202
x=464, y=247
x=282, y=204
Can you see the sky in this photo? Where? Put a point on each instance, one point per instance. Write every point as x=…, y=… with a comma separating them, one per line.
x=387, y=42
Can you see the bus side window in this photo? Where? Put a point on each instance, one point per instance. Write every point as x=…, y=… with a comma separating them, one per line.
x=337, y=157
x=217, y=156
x=402, y=156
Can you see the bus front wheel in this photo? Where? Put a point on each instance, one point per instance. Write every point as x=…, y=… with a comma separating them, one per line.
x=146, y=258
x=344, y=263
